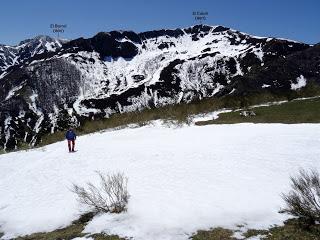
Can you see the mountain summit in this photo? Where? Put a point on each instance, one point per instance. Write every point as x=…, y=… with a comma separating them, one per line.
x=15, y=55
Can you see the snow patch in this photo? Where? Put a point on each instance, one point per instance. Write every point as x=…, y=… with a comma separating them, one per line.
x=33, y=104
x=208, y=116
x=12, y=92
x=301, y=82
x=50, y=46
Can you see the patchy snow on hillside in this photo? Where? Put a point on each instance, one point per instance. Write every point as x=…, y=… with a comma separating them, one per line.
x=180, y=179
x=14, y=90
x=115, y=75
x=301, y=82
x=208, y=116
x=123, y=71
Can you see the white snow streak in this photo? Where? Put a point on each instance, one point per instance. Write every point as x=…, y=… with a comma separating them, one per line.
x=12, y=92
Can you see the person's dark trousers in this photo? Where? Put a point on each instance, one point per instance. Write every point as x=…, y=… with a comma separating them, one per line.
x=71, y=145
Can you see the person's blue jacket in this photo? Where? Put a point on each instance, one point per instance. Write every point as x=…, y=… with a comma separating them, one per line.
x=70, y=135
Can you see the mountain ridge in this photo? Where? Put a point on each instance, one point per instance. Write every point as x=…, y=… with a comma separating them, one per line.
x=116, y=72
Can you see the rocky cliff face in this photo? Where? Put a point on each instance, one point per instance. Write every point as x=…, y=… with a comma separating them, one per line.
x=49, y=84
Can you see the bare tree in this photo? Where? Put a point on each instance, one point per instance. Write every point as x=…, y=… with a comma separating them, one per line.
x=111, y=195
x=303, y=201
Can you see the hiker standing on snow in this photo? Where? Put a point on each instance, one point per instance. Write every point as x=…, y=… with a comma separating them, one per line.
x=71, y=137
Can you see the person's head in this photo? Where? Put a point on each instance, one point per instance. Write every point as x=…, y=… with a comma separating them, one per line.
x=70, y=129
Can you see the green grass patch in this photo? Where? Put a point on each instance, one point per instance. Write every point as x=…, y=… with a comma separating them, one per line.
x=101, y=236
x=214, y=234
x=297, y=111
x=255, y=232
x=292, y=229
x=70, y=232
x=67, y=233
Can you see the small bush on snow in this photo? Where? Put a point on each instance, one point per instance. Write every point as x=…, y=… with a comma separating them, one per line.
x=303, y=201
x=110, y=196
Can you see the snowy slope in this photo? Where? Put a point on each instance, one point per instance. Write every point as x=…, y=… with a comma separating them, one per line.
x=180, y=179
x=168, y=68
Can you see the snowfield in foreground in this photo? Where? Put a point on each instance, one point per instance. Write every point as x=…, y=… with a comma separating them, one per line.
x=180, y=179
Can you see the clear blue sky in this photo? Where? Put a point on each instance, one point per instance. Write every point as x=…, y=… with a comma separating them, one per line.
x=293, y=19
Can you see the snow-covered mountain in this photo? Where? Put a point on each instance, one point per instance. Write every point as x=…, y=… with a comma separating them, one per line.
x=53, y=86
x=14, y=55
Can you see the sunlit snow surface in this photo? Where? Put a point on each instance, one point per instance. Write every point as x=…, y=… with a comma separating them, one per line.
x=180, y=179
